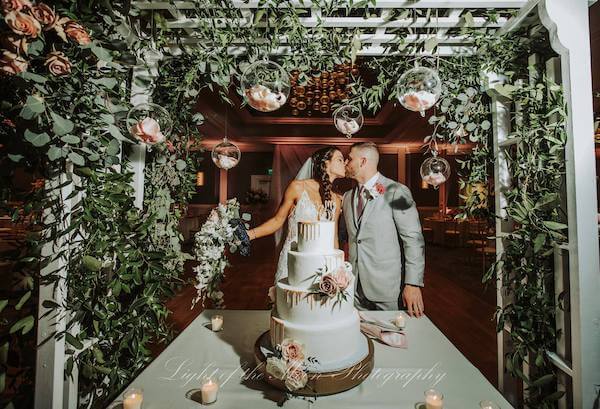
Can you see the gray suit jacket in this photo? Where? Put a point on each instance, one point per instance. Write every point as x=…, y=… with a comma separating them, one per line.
x=375, y=237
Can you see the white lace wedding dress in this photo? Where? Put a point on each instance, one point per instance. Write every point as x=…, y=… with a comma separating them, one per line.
x=305, y=210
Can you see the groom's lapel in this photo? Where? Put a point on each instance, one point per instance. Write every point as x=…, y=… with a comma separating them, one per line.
x=368, y=207
x=353, y=204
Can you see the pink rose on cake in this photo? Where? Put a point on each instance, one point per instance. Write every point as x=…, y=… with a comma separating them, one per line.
x=277, y=367
x=342, y=278
x=329, y=285
x=292, y=350
x=296, y=377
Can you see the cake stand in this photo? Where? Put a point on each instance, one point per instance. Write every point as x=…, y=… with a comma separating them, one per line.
x=319, y=383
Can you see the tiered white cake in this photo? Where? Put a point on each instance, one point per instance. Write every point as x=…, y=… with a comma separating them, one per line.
x=329, y=327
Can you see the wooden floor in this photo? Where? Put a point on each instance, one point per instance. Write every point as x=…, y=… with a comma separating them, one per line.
x=455, y=299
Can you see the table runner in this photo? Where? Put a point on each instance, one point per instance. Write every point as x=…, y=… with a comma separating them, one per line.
x=398, y=380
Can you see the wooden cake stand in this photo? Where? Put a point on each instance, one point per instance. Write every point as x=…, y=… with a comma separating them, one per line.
x=321, y=383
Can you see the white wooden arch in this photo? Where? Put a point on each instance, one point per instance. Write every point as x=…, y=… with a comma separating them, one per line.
x=567, y=22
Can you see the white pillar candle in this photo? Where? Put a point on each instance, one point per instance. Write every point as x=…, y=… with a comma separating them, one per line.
x=209, y=391
x=434, y=399
x=488, y=404
x=133, y=398
x=216, y=322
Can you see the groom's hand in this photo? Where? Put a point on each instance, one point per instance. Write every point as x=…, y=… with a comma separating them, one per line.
x=411, y=295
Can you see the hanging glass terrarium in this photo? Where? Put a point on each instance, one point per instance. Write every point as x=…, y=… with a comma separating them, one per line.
x=435, y=170
x=419, y=89
x=348, y=119
x=265, y=86
x=226, y=155
x=149, y=123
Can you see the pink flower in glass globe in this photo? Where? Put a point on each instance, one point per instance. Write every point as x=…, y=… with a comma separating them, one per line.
x=148, y=131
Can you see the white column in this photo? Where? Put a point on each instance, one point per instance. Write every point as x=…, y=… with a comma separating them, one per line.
x=50, y=354
x=502, y=181
x=568, y=25
x=140, y=94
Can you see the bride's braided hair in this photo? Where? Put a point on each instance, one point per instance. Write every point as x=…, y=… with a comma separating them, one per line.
x=319, y=172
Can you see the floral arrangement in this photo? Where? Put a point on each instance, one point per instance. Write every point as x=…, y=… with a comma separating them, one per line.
x=27, y=21
x=288, y=364
x=434, y=178
x=333, y=284
x=377, y=190
x=256, y=196
x=222, y=229
x=263, y=99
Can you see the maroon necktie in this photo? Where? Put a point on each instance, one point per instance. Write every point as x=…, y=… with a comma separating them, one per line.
x=360, y=205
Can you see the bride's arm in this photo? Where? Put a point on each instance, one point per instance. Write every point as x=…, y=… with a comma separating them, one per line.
x=338, y=211
x=275, y=222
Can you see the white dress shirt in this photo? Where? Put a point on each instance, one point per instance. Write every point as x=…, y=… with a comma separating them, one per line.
x=369, y=184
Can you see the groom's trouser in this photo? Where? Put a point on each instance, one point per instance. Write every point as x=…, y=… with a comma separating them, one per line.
x=362, y=303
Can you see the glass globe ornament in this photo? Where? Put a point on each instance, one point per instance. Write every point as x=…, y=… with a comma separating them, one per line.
x=265, y=86
x=348, y=119
x=435, y=170
x=226, y=155
x=149, y=123
x=419, y=89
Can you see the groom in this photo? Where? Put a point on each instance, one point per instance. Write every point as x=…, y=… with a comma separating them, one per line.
x=384, y=234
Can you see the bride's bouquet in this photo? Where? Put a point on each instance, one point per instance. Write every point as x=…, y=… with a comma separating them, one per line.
x=222, y=230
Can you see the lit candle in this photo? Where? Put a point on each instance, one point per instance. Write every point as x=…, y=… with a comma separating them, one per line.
x=434, y=399
x=216, y=322
x=399, y=321
x=488, y=404
x=209, y=391
x=133, y=398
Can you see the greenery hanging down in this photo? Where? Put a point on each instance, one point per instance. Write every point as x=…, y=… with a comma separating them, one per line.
x=69, y=71
x=68, y=75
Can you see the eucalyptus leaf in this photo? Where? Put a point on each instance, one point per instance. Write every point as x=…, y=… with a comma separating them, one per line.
x=76, y=158
x=37, y=140
x=102, y=53
x=70, y=139
x=61, y=125
x=15, y=158
x=33, y=77
x=114, y=147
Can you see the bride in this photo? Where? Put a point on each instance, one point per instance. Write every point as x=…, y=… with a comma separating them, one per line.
x=304, y=198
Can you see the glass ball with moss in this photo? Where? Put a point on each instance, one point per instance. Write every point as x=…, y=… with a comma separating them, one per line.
x=226, y=155
x=435, y=170
x=348, y=119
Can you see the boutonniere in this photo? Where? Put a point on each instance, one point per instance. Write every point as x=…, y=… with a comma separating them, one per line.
x=377, y=190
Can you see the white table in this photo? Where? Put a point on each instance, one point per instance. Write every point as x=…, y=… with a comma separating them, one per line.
x=398, y=380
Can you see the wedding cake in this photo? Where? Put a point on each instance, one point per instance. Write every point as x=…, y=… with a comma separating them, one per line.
x=313, y=320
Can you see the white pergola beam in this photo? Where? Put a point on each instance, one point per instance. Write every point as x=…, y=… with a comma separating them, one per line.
x=356, y=22
x=374, y=39
x=442, y=51
x=381, y=4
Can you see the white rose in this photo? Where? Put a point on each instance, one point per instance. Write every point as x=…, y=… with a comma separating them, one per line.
x=276, y=367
